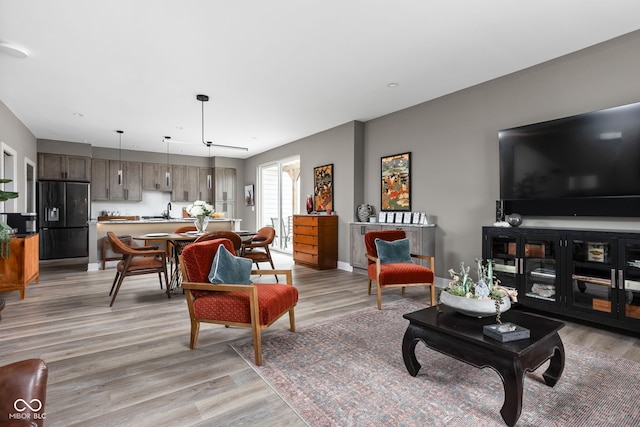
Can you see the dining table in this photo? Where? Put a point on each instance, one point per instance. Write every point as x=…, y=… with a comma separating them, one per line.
x=179, y=241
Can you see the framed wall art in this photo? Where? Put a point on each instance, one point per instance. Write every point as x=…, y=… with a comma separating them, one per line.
x=323, y=188
x=396, y=182
x=249, y=199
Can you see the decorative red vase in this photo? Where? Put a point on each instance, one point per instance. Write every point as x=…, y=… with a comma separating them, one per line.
x=309, y=204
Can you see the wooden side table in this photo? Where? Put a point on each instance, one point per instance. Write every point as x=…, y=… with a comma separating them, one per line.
x=23, y=265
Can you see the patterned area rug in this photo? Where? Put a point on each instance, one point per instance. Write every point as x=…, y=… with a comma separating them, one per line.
x=348, y=371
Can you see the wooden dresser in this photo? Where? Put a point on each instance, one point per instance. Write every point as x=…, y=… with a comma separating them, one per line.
x=315, y=241
x=22, y=267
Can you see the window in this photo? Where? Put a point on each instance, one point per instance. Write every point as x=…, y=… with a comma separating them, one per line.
x=279, y=198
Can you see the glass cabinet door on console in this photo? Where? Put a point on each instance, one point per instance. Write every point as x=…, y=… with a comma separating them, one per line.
x=501, y=246
x=528, y=263
x=628, y=284
x=593, y=269
x=540, y=270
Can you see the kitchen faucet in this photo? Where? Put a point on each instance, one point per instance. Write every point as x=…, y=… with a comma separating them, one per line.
x=167, y=214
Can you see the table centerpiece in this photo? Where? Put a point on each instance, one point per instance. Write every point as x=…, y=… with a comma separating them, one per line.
x=480, y=299
x=201, y=211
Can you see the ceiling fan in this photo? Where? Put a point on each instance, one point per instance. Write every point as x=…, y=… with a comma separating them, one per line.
x=209, y=144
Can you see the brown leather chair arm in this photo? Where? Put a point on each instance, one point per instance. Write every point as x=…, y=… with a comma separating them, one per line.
x=24, y=384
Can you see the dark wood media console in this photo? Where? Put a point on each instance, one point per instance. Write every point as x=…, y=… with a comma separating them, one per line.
x=586, y=274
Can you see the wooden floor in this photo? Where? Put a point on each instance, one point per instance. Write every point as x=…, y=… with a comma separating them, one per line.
x=131, y=364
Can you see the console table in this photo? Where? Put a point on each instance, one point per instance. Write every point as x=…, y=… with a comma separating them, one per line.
x=461, y=337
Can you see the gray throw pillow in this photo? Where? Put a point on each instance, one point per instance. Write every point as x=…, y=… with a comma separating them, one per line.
x=395, y=251
x=229, y=269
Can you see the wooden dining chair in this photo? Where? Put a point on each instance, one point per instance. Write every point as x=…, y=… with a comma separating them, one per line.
x=178, y=245
x=137, y=260
x=258, y=249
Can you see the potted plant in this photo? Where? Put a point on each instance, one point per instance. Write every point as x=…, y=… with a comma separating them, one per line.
x=5, y=236
x=480, y=299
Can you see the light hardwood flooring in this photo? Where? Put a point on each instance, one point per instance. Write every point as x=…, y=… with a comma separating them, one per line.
x=130, y=365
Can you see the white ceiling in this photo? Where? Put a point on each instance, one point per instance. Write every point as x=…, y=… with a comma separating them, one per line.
x=275, y=70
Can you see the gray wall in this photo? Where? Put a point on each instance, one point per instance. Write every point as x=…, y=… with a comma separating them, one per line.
x=341, y=146
x=15, y=135
x=453, y=141
x=454, y=145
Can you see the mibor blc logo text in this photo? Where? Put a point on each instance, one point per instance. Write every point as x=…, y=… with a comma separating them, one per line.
x=21, y=405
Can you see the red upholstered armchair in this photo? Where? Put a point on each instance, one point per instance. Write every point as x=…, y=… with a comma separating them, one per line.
x=397, y=274
x=254, y=306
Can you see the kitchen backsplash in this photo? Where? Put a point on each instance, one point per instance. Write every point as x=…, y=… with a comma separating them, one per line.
x=153, y=204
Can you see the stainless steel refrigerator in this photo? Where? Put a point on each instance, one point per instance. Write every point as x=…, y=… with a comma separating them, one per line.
x=63, y=219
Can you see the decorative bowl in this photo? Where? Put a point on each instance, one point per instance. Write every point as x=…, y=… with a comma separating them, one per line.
x=514, y=219
x=472, y=306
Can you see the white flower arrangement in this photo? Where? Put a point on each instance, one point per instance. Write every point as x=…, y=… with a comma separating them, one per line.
x=200, y=208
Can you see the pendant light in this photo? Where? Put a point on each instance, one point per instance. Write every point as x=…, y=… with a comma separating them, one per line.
x=209, y=180
x=120, y=132
x=203, y=99
x=168, y=172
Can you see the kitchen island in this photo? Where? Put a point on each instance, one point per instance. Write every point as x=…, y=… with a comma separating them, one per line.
x=127, y=227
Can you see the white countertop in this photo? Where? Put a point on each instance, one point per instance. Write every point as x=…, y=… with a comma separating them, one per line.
x=161, y=221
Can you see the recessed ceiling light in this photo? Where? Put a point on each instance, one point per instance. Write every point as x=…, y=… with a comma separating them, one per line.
x=13, y=50
x=393, y=84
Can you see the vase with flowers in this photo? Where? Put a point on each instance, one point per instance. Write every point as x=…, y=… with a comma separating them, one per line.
x=480, y=299
x=201, y=211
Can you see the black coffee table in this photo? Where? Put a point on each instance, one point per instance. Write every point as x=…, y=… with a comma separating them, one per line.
x=461, y=337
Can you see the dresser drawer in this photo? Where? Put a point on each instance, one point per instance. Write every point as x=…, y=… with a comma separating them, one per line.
x=305, y=220
x=305, y=257
x=305, y=238
x=304, y=229
x=308, y=249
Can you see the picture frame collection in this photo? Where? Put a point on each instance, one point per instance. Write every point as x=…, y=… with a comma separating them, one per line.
x=418, y=218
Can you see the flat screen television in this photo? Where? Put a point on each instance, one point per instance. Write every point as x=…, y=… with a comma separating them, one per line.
x=583, y=165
